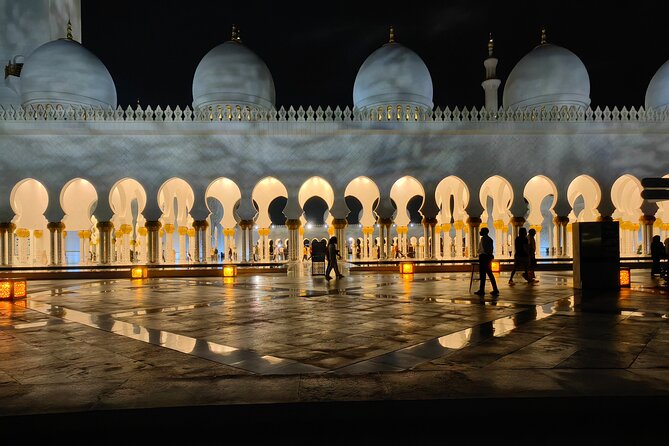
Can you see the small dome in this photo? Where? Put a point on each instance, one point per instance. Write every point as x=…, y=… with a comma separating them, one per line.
x=393, y=75
x=64, y=72
x=548, y=76
x=232, y=74
x=657, y=94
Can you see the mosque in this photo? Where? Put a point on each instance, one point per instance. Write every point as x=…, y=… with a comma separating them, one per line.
x=86, y=181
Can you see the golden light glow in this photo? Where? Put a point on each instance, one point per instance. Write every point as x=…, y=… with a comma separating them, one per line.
x=20, y=288
x=139, y=272
x=5, y=289
x=406, y=267
x=13, y=288
x=229, y=271
x=495, y=266
x=625, y=277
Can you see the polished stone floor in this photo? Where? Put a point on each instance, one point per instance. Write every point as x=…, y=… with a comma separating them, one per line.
x=271, y=341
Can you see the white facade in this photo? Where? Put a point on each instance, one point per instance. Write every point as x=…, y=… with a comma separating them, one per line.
x=151, y=184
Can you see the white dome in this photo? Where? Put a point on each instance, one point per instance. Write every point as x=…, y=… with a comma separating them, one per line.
x=64, y=72
x=393, y=75
x=232, y=74
x=548, y=76
x=657, y=94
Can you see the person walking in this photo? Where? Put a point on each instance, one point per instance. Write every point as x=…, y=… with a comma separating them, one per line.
x=331, y=255
x=532, y=257
x=486, y=254
x=520, y=255
x=657, y=253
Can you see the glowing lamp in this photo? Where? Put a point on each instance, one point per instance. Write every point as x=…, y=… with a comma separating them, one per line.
x=139, y=272
x=625, y=277
x=13, y=288
x=229, y=271
x=406, y=267
x=494, y=266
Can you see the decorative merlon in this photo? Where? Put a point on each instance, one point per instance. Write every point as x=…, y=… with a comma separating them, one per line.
x=400, y=113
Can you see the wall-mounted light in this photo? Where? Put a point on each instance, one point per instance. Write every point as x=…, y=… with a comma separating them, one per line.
x=13, y=288
x=139, y=272
x=495, y=266
x=625, y=277
x=406, y=267
x=229, y=271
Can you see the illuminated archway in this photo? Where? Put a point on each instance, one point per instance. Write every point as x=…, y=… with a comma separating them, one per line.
x=29, y=200
x=175, y=199
x=127, y=199
x=402, y=191
x=226, y=195
x=367, y=192
x=78, y=199
x=452, y=196
x=626, y=197
x=496, y=196
x=541, y=193
x=264, y=192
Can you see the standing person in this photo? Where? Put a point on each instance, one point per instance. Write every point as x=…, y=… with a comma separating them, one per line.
x=486, y=254
x=657, y=253
x=532, y=258
x=331, y=255
x=520, y=254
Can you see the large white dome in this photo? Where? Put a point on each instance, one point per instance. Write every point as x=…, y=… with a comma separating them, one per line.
x=232, y=74
x=548, y=76
x=657, y=94
x=64, y=72
x=393, y=75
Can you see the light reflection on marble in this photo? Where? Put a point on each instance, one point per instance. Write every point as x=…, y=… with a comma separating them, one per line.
x=456, y=340
x=31, y=325
x=223, y=354
x=502, y=326
x=632, y=313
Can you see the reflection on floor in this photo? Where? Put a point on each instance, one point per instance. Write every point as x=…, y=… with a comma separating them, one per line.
x=364, y=323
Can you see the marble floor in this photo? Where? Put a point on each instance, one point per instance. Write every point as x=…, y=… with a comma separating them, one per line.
x=77, y=346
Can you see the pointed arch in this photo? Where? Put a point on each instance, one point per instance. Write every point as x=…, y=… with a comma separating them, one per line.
x=403, y=190
x=455, y=188
x=587, y=189
x=175, y=199
x=78, y=199
x=316, y=187
x=367, y=192
x=264, y=192
x=29, y=200
x=227, y=192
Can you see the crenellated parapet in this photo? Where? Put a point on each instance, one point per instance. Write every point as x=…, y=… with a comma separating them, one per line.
x=399, y=113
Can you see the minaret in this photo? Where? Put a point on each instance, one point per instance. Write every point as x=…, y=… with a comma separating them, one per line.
x=236, y=35
x=491, y=84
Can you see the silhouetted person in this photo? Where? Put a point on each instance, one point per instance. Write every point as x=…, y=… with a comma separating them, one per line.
x=520, y=254
x=331, y=255
x=532, y=257
x=657, y=253
x=486, y=254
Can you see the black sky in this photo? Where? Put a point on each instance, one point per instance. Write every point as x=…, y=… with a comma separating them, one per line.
x=315, y=49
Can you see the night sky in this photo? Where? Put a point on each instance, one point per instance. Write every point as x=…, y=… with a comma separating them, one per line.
x=314, y=50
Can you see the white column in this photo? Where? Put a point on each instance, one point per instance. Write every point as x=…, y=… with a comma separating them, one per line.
x=459, y=236
x=183, y=233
